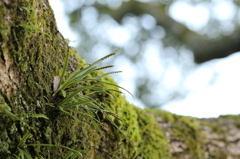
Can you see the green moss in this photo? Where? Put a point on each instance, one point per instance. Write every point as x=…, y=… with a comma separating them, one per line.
x=153, y=143
x=236, y=119
x=186, y=130
x=35, y=50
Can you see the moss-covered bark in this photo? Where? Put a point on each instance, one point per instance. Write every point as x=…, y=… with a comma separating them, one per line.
x=32, y=52
x=213, y=138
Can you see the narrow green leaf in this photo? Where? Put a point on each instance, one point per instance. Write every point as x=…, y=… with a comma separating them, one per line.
x=73, y=94
x=79, y=73
x=105, y=74
x=63, y=73
x=64, y=68
x=50, y=104
x=76, y=104
x=78, y=119
x=68, y=155
x=64, y=93
x=117, y=86
x=24, y=138
x=24, y=153
x=112, y=53
x=7, y=110
x=75, y=156
x=82, y=73
x=21, y=153
x=85, y=113
x=37, y=115
x=16, y=156
x=79, y=153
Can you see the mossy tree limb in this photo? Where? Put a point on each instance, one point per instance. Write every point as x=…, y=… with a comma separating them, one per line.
x=32, y=52
x=212, y=138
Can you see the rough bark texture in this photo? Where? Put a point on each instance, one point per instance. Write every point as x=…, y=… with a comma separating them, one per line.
x=32, y=53
x=190, y=138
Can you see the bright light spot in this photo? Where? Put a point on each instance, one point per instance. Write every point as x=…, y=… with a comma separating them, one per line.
x=132, y=48
x=195, y=17
x=89, y=13
x=114, y=4
x=158, y=32
x=152, y=59
x=224, y=10
x=227, y=28
x=131, y=24
x=172, y=77
x=148, y=22
x=119, y=36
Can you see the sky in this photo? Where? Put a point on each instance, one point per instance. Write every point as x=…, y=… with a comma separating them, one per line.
x=221, y=97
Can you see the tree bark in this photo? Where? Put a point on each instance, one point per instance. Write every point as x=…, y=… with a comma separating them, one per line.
x=32, y=52
x=212, y=138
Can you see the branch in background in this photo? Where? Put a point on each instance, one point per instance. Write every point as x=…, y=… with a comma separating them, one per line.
x=204, y=49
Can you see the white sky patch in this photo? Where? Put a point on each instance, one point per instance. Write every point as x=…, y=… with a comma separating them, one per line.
x=210, y=102
x=195, y=17
x=199, y=79
x=221, y=98
x=207, y=103
x=172, y=77
x=229, y=71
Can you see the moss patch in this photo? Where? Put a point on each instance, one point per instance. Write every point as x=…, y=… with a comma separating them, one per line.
x=32, y=52
x=184, y=136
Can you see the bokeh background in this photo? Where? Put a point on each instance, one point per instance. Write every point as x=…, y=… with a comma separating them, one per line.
x=178, y=55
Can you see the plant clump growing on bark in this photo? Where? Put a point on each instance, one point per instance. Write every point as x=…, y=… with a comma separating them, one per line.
x=72, y=96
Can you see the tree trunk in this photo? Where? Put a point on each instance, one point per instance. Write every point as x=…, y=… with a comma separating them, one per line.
x=32, y=52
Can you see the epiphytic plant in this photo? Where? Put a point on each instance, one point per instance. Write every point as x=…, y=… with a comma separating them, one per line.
x=76, y=93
